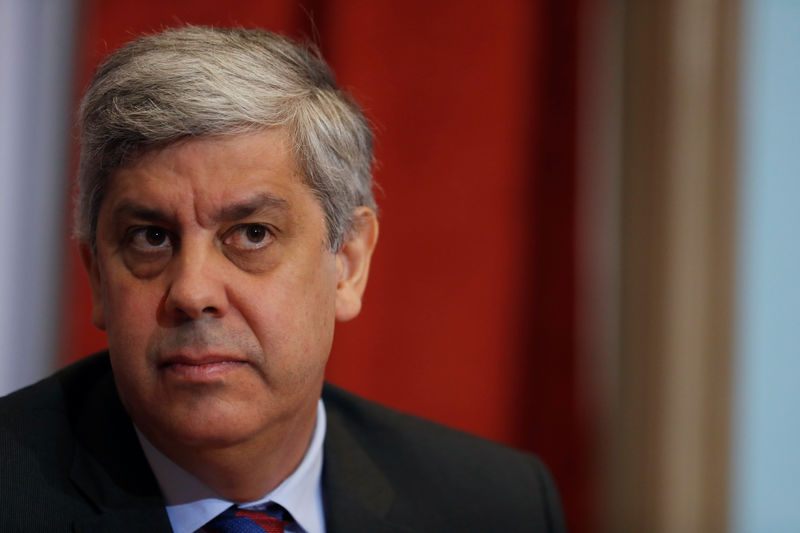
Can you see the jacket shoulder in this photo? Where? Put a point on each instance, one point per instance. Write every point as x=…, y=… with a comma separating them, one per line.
x=429, y=464
x=56, y=393
x=44, y=429
x=37, y=446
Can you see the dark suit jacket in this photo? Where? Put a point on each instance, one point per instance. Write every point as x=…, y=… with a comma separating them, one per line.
x=70, y=461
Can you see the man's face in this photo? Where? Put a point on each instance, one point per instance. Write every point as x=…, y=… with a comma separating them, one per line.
x=215, y=283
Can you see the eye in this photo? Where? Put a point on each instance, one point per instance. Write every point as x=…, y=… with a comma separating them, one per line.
x=248, y=237
x=149, y=237
x=255, y=233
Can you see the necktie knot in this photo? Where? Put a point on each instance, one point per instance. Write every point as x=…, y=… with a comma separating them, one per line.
x=235, y=520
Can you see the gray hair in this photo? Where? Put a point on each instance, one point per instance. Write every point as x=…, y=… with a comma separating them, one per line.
x=197, y=81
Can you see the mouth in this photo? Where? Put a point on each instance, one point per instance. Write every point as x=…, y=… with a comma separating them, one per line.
x=196, y=368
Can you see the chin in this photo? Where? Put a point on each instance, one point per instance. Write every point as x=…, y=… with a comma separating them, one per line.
x=209, y=440
x=210, y=424
x=201, y=435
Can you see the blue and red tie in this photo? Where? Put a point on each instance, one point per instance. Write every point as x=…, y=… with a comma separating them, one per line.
x=235, y=520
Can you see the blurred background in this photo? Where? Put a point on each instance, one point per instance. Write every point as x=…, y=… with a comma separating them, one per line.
x=589, y=236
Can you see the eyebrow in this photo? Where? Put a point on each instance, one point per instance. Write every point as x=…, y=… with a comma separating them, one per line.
x=259, y=203
x=129, y=209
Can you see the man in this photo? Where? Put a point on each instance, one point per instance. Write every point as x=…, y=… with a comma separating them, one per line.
x=226, y=221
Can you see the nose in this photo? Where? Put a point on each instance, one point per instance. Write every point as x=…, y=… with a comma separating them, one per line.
x=197, y=286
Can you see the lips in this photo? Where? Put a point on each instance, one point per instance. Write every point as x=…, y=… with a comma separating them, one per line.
x=200, y=367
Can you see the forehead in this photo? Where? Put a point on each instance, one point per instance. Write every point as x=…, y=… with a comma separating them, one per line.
x=211, y=171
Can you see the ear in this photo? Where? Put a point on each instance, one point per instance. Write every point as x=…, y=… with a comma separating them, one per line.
x=93, y=269
x=352, y=263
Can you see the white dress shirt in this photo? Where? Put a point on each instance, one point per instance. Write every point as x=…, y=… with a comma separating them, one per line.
x=191, y=504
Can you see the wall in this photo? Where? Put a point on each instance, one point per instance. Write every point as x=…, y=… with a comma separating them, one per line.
x=36, y=53
x=766, y=490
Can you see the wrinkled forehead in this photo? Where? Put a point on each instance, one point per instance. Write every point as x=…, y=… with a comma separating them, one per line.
x=254, y=152
x=211, y=173
x=251, y=146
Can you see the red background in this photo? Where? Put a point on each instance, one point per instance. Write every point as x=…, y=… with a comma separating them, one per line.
x=469, y=316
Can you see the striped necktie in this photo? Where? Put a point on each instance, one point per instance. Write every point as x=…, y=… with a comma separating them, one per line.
x=235, y=520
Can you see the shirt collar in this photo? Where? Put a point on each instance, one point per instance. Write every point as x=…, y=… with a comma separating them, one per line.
x=191, y=504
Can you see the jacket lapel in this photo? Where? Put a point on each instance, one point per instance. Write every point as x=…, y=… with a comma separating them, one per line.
x=125, y=521
x=357, y=495
x=109, y=466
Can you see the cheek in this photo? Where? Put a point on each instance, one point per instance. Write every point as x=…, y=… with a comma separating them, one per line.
x=130, y=321
x=293, y=320
x=130, y=312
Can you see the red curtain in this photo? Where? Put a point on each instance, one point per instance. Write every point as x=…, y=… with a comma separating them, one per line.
x=469, y=316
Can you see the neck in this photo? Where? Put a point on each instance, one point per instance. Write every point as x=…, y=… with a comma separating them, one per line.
x=248, y=470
